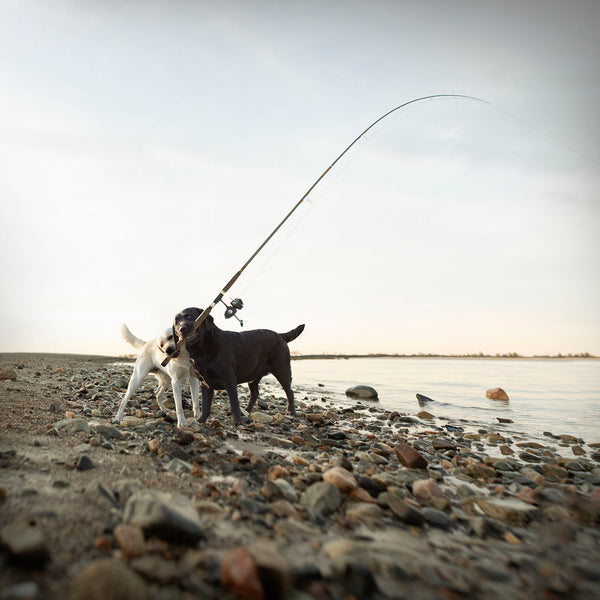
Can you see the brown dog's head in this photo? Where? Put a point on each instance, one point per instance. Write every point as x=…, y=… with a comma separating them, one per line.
x=183, y=323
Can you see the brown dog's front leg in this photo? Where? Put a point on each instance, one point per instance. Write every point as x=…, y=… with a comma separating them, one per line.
x=207, y=398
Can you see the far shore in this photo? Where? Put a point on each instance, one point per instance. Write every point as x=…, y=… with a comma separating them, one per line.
x=584, y=356
x=294, y=356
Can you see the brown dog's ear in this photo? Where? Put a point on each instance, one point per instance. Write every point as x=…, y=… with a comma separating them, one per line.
x=175, y=335
x=209, y=322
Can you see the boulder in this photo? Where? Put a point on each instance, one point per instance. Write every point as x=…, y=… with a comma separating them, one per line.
x=497, y=394
x=362, y=391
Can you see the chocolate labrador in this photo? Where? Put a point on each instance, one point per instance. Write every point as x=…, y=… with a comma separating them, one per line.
x=223, y=359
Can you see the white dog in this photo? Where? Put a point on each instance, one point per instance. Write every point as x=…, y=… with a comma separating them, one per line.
x=178, y=371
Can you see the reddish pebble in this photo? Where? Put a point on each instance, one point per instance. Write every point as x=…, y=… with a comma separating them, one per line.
x=342, y=479
x=239, y=574
x=409, y=457
x=425, y=489
x=130, y=540
x=362, y=495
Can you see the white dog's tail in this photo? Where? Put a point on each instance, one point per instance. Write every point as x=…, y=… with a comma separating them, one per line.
x=130, y=338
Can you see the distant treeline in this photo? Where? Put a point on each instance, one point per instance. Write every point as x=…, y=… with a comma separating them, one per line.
x=423, y=355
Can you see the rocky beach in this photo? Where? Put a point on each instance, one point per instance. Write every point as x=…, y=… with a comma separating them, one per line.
x=338, y=502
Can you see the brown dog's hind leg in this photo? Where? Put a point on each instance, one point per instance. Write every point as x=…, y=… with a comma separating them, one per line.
x=207, y=398
x=236, y=413
x=253, y=385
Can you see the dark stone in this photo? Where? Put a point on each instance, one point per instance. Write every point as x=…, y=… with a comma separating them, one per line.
x=436, y=518
x=84, y=463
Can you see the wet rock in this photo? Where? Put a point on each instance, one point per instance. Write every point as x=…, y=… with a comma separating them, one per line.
x=497, y=394
x=423, y=414
x=26, y=544
x=409, y=457
x=343, y=480
x=105, y=578
x=239, y=574
x=169, y=516
x=323, y=497
x=362, y=391
x=443, y=444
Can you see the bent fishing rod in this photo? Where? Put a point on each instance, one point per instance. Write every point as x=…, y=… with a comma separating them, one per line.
x=237, y=304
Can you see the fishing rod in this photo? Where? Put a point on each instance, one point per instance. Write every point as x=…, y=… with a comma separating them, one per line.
x=237, y=303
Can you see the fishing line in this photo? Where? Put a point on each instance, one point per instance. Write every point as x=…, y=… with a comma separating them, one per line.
x=313, y=202
x=543, y=133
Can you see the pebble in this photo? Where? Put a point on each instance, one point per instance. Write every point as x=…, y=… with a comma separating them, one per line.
x=8, y=374
x=409, y=457
x=168, y=516
x=25, y=543
x=83, y=463
x=239, y=574
x=343, y=480
x=106, y=578
x=323, y=497
x=130, y=539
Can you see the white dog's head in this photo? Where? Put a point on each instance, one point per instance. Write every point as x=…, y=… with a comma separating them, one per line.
x=167, y=342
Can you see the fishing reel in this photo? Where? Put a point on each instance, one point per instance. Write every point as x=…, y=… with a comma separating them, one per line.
x=232, y=308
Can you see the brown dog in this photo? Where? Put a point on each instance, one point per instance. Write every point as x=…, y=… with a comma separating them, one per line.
x=223, y=359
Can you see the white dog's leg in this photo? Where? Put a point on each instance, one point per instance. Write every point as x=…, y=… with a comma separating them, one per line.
x=177, y=389
x=195, y=389
x=140, y=370
x=163, y=385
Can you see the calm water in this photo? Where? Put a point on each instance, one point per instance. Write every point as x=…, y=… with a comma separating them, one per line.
x=560, y=396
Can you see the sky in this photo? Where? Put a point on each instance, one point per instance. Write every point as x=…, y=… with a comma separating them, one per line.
x=147, y=148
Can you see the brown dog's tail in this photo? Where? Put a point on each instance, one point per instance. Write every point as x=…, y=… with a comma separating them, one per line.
x=293, y=334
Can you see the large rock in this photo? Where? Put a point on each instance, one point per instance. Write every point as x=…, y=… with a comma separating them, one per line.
x=105, y=578
x=323, y=497
x=169, y=516
x=362, y=391
x=497, y=394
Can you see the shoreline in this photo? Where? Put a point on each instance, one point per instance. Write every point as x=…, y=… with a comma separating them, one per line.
x=336, y=501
